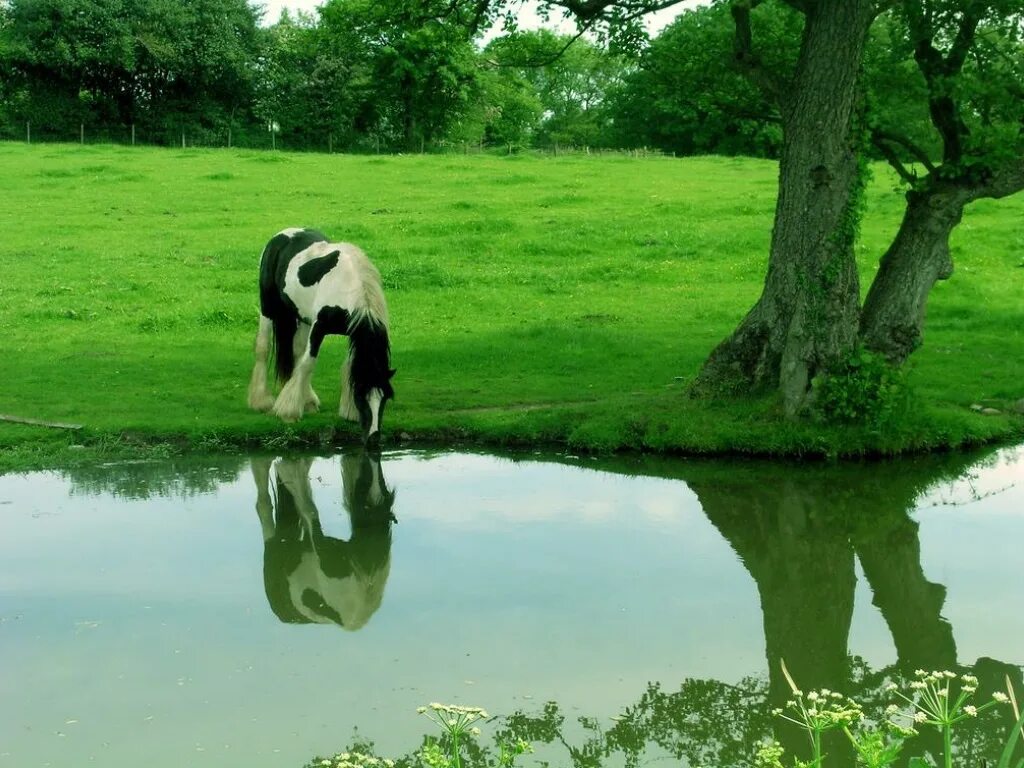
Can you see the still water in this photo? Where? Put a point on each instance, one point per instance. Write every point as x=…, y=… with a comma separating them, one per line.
x=255, y=612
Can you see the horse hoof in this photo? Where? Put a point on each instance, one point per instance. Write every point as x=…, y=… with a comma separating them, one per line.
x=288, y=416
x=312, y=407
x=262, y=404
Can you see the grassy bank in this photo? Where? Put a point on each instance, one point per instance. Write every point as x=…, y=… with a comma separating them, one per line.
x=563, y=300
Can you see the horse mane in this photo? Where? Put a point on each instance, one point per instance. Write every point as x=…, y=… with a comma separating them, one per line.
x=372, y=306
x=369, y=343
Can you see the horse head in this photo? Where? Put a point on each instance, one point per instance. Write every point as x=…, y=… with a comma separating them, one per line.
x=370, y=401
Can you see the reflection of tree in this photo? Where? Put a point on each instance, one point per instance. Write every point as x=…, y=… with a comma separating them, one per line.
x=311, y=577
x=166, y=478
x=798, y=530
x=797, y=534
x=705, y=722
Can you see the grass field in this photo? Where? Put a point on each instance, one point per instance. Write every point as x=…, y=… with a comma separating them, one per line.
x=533, y=300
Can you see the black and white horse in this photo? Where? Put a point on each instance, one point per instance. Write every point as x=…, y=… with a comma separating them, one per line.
x=311, y=288
x=311, y=577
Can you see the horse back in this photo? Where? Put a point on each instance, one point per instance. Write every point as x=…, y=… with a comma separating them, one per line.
x=329, y=275
x=277, y=256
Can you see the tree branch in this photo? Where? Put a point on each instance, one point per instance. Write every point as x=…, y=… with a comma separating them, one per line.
x=938, y=70
x=893, y=159
x=879, y=134
x=964, y=40
x=743, y=51
x=1004, y=181
x=595, y=9
x=547, y=60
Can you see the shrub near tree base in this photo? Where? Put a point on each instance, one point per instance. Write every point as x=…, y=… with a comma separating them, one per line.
x=864, y=390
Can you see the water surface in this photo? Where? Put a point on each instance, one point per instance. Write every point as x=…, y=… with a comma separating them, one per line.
x=255, y=612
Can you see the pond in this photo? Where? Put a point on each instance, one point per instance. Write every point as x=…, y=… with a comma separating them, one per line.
x=256, y=612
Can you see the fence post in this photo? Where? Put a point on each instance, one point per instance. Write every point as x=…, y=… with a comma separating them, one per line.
x=28, y=131
x=330, y=143
x=81, y=133
x=133, y=134
x=182, y=138
x=229, y=137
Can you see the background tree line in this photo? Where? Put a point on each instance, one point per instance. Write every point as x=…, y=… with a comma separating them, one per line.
x=383, y=76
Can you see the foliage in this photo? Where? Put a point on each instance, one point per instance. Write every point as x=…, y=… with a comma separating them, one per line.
x=685, y=96
x=571, y=81
x=688, y=716
x=160, y=65
x=933, y=701
x=457, y=724
x=865, y=389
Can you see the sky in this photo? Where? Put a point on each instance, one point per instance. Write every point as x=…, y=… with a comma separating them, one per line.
x=528, y=18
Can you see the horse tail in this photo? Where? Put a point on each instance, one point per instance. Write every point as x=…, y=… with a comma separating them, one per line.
x=272, y=306
x=285, y=327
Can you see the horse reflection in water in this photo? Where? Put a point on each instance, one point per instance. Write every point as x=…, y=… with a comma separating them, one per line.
x=313, y=578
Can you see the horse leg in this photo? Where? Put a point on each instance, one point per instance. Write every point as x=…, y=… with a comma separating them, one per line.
x=264, y=501
x=347, y=408
x=260, y=398
x=291, y=402
x=294, y=475
x=299, y=343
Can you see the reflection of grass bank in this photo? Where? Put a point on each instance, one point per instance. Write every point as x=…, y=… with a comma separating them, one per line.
x=701, y=727
x=572, y=306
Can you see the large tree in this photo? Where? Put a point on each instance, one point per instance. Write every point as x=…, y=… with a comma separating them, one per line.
x=808, y=319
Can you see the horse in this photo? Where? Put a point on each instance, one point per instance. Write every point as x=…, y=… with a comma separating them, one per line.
x=308, y=576
x=311, y=288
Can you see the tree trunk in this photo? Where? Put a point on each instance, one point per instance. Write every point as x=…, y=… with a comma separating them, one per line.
x=893, y=318
x=808, y=313
x=802, y=562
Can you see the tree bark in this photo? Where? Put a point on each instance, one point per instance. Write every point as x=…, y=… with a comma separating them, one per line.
x=892, y=321
x=808, y=314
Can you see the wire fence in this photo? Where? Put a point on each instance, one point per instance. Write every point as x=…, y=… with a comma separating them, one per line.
x=259, y=137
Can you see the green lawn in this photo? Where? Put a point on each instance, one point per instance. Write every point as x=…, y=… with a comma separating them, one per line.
x=533, y=299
